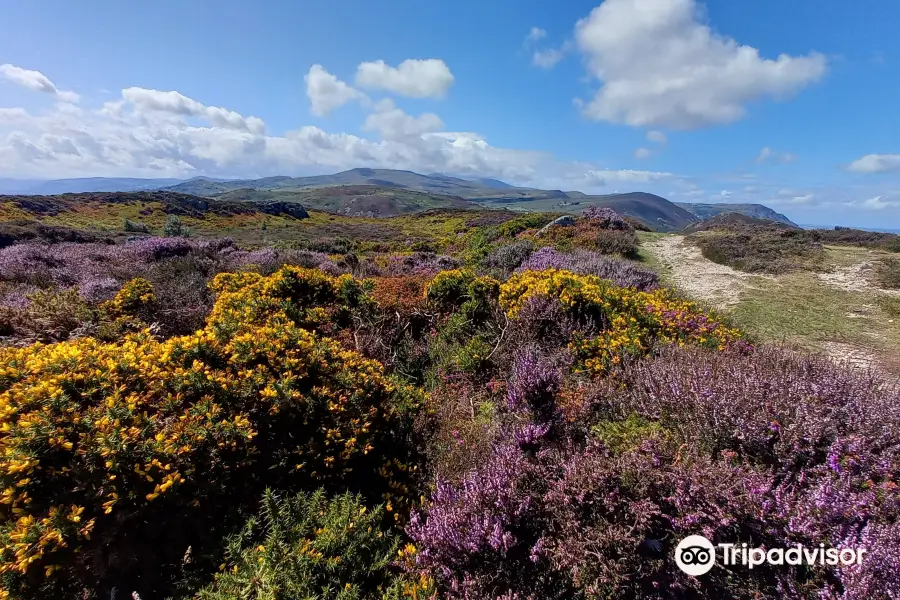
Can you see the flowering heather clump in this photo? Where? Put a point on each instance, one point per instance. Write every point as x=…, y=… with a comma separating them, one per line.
x=624, y=273
x=508, y=256
x=154, y=248
x=480, y=539
x=534, y=383
x=829, y=436
x=419, y=263
x=630, y=321
x=534, y=521
x=542, y=320
x=98, y=289
x=810, y=458
x=607, y=218
x=603, y=235
x=57, y=265
x=793, y=409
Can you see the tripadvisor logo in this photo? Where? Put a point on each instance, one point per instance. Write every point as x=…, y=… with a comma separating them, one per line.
x=696, y=555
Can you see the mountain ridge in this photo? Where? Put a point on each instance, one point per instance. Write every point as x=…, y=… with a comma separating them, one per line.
x=706, y=211
x=390, y=192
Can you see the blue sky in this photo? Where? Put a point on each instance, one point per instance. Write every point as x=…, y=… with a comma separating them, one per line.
x=792, y=104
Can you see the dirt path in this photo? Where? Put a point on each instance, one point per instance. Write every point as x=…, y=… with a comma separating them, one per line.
x=854, y=355
x=703, y=279
x=855, y=278
x=725, y=288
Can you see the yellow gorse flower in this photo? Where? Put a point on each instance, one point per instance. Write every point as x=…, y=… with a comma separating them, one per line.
x=634, y=319
x=151, y=418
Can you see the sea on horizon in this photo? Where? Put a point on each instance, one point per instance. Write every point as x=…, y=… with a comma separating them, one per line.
x=878, y=230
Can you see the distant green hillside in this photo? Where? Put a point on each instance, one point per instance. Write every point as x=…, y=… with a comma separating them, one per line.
x=491, y=189
x=757, y=211
x=353, y=200
x=657, y=212
x=388, y=192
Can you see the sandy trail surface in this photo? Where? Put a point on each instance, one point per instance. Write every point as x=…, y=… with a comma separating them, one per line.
x=700, y=277
x=722, y=287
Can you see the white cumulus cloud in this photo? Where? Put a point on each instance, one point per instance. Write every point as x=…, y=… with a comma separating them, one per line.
x=37, y=81
x=326, y=92
x=658, y=64
x=624, y=175
x=876, y=163
x=642, y=153
x=153, y=133
x=154, y=101
x=804, y=199
x=428, y=78
x=394, y=124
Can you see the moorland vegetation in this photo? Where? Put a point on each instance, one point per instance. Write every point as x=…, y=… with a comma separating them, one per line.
x=461, y=404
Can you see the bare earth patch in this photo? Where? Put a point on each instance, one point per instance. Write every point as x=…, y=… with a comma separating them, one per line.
x=700, y=277
x=831, y=312
x=855, y=278
x=854, y=355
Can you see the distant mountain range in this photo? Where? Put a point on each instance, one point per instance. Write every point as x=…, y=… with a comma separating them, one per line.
x=388, y=192
x=34, y=187
x=435, y=183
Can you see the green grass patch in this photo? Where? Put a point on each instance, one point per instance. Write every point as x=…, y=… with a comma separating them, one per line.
x=887, y=273
x=801, y=308
x=890, y=305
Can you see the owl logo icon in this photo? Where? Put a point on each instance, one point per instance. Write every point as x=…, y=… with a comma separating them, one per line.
x=695, y=555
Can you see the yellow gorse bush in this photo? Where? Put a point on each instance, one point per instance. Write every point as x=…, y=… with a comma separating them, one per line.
x=95, y=435
x=631, y=320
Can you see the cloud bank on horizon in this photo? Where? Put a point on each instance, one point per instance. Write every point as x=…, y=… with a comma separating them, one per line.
x=656, y=66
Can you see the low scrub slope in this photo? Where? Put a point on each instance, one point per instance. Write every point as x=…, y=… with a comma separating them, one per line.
x=436, y=191
x=733, y=221
x=170, y=202
x=756, y=245
x=354, y=200
x=847, y=236
x=656, y=212
x=260, y=223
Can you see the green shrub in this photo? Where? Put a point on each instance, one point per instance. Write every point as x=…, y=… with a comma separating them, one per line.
x=135, y=227
x=309, y=546
x=627, y=435
x=174, y=228
x=448, y=289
